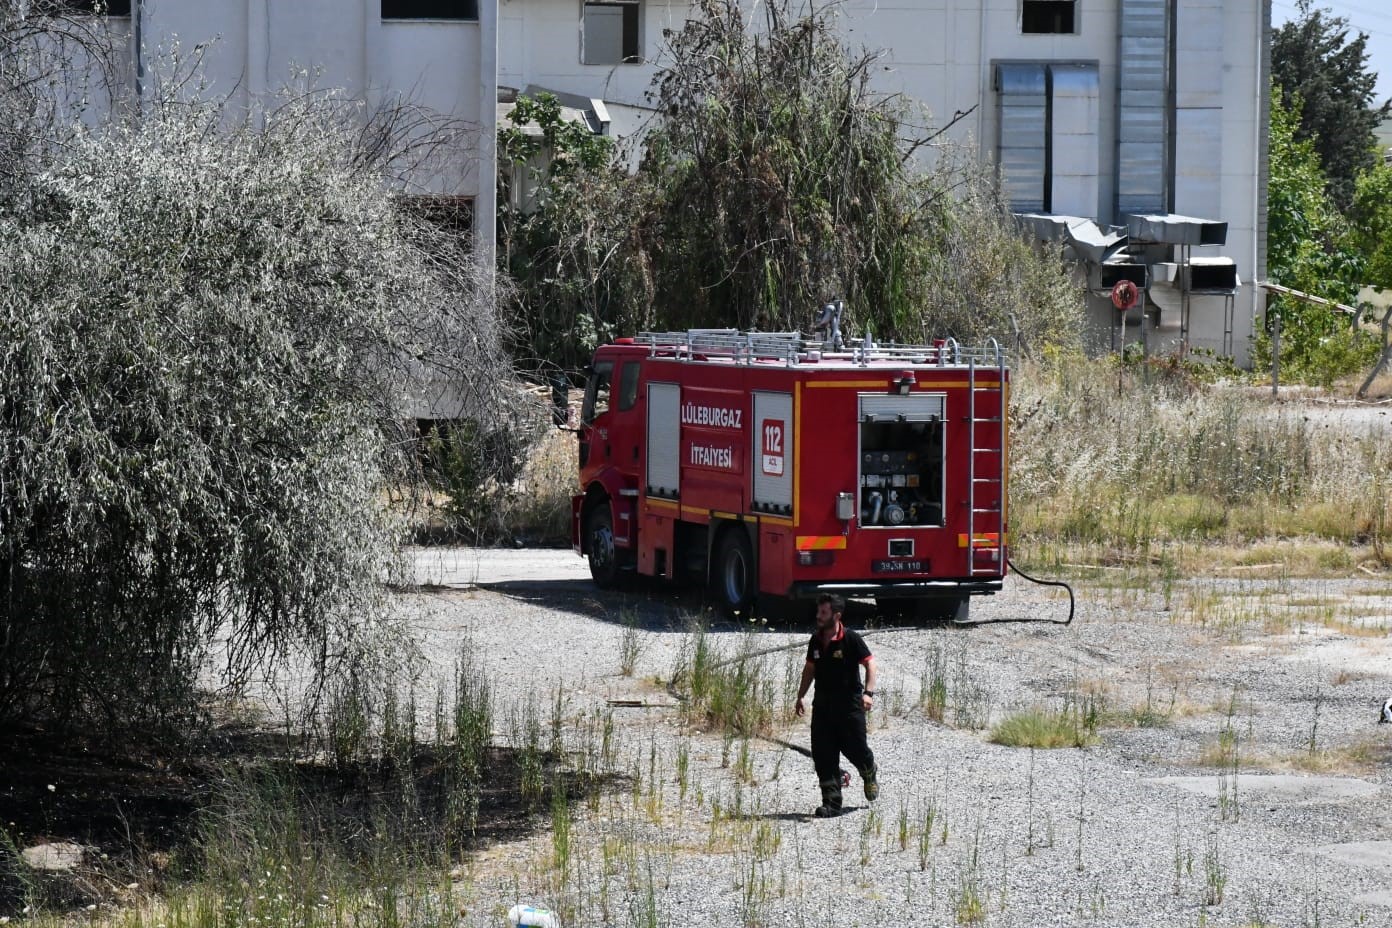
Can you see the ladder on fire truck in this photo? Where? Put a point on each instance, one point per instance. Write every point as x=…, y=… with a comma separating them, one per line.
x=986, y=524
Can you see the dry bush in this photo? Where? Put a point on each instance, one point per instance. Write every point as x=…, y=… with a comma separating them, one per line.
x=1103, y=457
x=208, y=335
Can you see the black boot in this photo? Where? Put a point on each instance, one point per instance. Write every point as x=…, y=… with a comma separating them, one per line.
x=831, y=799
x=870, y=778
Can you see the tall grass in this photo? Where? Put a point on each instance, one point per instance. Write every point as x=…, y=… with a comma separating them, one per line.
x=1115, y=460
x=364, y=822
x=1038, y=727
x=731, y=690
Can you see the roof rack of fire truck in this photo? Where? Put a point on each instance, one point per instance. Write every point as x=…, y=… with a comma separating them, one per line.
x=793, y=348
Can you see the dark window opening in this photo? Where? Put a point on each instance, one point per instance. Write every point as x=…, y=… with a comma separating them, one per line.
x=430, y=9
x=85, y=7
x=597, y=392
x=610, y=33
x=628, y=386
x=1049, y=17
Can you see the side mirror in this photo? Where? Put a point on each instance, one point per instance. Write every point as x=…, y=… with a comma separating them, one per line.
x=560, y=400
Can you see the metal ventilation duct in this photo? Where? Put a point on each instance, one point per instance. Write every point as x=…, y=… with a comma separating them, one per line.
x=1169, y=229
x=1073, y=121
x=1022, y=95
x=1142, y=108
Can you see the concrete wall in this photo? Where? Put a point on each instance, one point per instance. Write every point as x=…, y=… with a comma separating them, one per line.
x=252, y=50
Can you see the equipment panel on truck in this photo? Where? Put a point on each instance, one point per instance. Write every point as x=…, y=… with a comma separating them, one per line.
x=770, y=465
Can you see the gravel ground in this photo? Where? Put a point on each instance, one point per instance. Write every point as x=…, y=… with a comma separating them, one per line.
x=1129, y=831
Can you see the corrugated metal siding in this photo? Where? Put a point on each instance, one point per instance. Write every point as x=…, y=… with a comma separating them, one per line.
x=1142, y=97
x=1074, y=117
x=1264, y=154
x=773, y=487
x=1022, y=99
x=664, y=439
x=916, y=407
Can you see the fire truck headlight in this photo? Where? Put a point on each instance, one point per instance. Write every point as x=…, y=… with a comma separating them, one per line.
x=815, y=558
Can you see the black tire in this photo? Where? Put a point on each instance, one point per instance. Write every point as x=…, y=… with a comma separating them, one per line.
x=599, y=546
x=734, y=577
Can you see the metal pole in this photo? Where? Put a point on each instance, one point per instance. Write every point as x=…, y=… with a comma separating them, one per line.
x=138, y=38
x=1275, y=352
x=1121, y=358
x=1383, y=357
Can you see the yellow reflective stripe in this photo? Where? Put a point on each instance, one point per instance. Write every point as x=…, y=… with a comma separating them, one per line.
x=797, y=449
x=821, y=542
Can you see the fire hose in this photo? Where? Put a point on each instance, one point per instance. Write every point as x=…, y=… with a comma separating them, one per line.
x=1072, y=605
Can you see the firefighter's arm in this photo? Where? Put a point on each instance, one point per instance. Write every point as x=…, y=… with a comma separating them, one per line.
x=870, y=676
x=803, y=687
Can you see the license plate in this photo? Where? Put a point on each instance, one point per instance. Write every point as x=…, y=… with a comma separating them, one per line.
x=897, y=567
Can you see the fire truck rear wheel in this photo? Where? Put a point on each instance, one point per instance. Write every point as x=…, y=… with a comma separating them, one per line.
x=599, y=544
x=734, y=577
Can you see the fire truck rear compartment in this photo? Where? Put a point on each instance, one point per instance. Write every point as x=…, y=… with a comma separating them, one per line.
x=901, y=474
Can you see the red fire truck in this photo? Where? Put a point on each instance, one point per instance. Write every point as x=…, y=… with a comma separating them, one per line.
x=773, y=467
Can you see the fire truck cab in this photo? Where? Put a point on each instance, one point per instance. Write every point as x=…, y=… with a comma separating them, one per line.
x=771, y=467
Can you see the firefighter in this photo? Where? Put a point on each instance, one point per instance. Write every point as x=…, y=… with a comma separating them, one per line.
x=834, y=658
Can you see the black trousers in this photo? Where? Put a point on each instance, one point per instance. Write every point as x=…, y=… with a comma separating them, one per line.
x=837, y=732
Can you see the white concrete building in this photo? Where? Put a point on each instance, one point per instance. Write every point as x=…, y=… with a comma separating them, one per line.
x=1096, y=109
x=438, y=54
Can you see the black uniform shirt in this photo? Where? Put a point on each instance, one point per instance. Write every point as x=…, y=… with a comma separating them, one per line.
x=836, y=669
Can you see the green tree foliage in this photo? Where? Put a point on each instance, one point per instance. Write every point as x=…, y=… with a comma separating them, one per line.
x=1311, y=247
x=1314, y=59
x=562, y=228
x=779, y=178
x=776, y=178
x=207, y=338
x=1372, y=221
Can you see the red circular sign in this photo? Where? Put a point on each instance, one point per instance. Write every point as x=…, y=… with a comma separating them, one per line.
x=1125, y=295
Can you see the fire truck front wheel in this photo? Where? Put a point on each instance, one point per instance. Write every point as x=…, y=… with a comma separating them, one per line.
x=599, y=545
x=733, y=576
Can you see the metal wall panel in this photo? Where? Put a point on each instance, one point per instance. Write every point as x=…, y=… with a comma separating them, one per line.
x=664, y=439
x=1142, y=166
x=1198, y=121
x=1022, y=146
x=773, y=459
x=1198, y=162
x=1074, y=116
x=1198, y=77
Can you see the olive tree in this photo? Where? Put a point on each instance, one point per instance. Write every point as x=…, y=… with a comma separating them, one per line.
x=209, y=331
x=776, y=175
